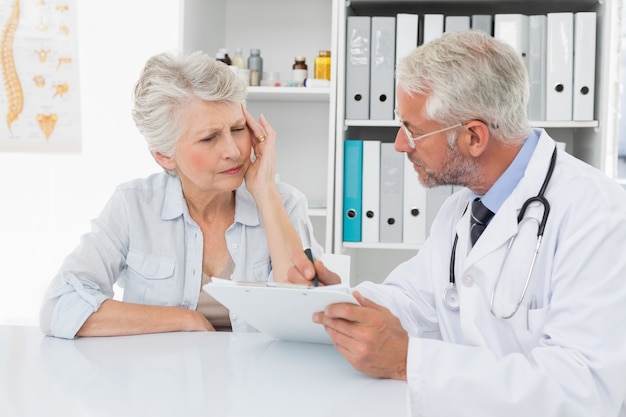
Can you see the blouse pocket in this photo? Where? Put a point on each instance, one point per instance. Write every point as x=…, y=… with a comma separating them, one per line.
x=149, y=279
x=260, y=271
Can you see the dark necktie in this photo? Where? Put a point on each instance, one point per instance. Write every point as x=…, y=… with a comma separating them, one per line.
x=479, y=220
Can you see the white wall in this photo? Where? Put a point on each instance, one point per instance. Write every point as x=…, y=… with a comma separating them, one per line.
x=47, y=201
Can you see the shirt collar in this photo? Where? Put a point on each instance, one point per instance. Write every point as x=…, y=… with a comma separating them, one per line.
x=246, y=211
x=174, y=204
x=507, y=182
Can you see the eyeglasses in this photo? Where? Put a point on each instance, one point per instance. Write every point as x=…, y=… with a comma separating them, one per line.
x=411, y=139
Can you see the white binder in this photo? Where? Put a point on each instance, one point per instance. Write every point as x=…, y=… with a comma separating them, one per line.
x=382, y=64
x=407, y=26
x=513, y=29
x=454, y=23
x=433, y=27
x=370, y=218
x=560, y=53
x=483, y=23
x=391, y=192
x=584, y=65
x=434, y=199
x=414, y=206
x=358, y=68
x=537, y=67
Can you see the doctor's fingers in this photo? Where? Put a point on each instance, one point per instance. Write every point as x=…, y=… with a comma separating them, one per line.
x=366, y=302
x=344, y=311
x=380, y=352
x=353, y=322
x=366, y=313
x=368, y=353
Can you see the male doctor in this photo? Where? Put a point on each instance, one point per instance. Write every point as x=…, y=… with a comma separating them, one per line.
x=486, y=324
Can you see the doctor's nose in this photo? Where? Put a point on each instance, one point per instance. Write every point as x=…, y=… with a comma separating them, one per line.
x=400, y=143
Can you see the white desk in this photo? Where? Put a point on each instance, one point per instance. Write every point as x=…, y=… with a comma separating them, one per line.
x=184, y=375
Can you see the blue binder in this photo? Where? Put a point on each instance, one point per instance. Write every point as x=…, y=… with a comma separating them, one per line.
x=352, y=189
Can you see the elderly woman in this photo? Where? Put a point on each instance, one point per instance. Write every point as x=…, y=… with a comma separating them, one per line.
x=215, y=211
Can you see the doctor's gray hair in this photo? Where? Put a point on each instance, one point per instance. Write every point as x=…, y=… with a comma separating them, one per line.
x=167, y=83
x=469, y=75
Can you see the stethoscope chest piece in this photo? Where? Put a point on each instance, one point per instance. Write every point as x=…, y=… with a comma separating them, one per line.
x=450, y=297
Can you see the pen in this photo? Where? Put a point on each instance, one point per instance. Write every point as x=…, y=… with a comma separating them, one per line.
x=306, y=242
x=532, y=304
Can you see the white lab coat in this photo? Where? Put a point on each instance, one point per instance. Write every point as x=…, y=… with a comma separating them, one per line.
x=566, y=356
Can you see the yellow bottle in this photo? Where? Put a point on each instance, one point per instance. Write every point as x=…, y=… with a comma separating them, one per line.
x=322, y=66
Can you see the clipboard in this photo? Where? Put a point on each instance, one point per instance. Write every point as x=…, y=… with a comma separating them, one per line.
x=282, y=311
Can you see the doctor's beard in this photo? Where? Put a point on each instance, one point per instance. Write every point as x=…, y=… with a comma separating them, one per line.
x=456, y=170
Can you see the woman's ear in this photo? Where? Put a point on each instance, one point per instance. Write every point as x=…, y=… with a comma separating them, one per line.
x=165, y=161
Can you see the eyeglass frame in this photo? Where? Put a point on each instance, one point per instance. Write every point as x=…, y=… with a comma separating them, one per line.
x=412, y=139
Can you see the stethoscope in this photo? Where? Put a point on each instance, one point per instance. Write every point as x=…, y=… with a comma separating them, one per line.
x=450, y=294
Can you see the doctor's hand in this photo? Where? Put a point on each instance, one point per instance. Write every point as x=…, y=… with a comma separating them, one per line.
x=369, y=336
x=303, y=271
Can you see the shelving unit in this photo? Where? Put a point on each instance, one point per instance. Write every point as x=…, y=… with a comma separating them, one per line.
x=311, y=124
x=289, y=94
x=303, y=117
x=592, y=141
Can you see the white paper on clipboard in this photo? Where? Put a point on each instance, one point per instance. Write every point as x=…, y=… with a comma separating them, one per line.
x=283, y=312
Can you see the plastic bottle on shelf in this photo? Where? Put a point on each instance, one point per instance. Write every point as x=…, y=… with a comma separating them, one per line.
x=219, y=56
x=322, y=65
x=300, y=71
x=255, y=65
x=244, y=75
x=270, y=79
x=238, y=60
x=226, y=60
x=316, y=83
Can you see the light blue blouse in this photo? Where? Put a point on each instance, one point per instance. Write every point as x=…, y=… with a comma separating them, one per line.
x=145, y=241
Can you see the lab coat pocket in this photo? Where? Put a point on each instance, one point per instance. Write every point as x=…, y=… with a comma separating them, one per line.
x=536, y=319
x=149, y=278
x=528, y=326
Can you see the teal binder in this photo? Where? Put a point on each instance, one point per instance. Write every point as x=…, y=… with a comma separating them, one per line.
x=352, y=189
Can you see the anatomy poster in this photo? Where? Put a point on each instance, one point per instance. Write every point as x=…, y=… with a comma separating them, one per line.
x=39, y=93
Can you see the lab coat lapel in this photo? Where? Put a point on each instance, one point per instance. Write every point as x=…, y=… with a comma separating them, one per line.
x=504, y=225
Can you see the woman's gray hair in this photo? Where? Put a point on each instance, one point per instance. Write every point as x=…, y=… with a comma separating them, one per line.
x=469, y=75
x=167, y=82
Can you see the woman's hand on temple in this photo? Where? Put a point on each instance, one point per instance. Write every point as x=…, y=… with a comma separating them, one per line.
x=260, y=178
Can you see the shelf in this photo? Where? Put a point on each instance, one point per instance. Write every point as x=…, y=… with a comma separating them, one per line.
x=317, y=212
x=456, y=7
x=372, y=123
x=565, y=124
x=291, y=94
x=567, y=3
x=540, y=124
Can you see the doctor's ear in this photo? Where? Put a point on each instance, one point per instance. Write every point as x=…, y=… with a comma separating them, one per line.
x=477, y=137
